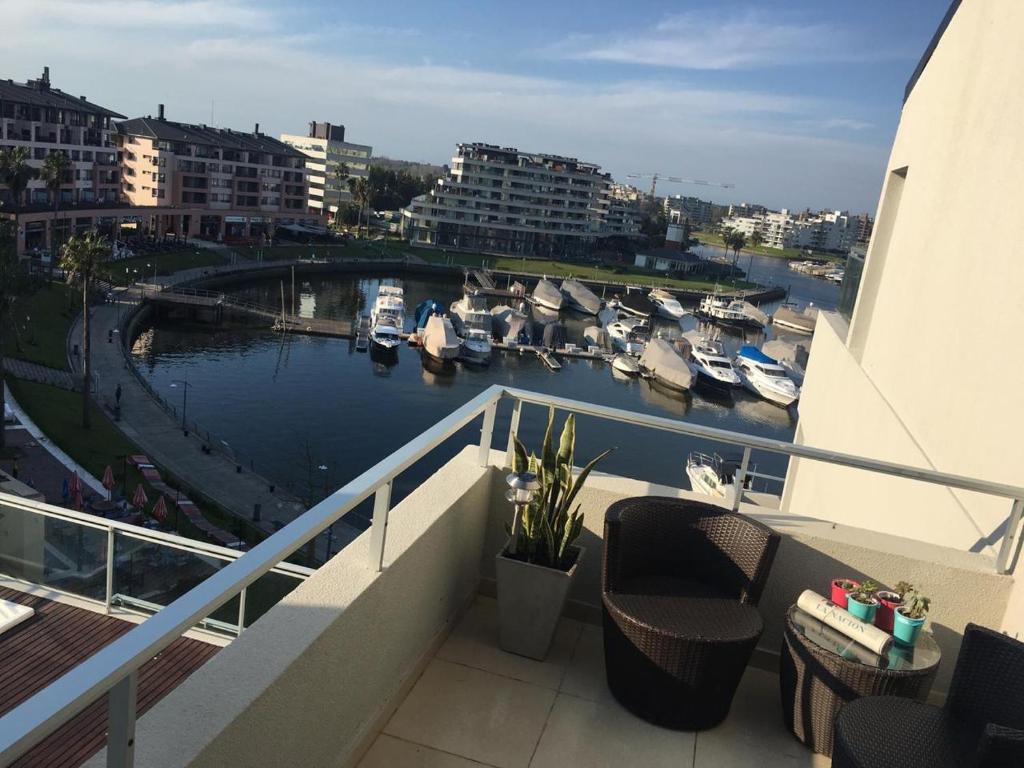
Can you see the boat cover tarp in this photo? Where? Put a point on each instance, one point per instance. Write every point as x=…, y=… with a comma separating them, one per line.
x=662, y=360
x=427, y=308
x=786, y=350
x=554, y=336
x=547, y=294
x=638, y=303
x=805, y=319
x=593, y=336
x=581, y=296
x=754, y=313
x=755, y=354
x=509, y=323
x=439, y=337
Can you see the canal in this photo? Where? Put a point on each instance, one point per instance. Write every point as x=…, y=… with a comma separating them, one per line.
x=312, y=413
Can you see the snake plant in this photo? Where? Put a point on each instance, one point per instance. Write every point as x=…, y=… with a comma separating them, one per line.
x=550, y=524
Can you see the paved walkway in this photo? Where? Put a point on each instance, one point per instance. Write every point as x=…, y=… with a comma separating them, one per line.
x=22, y=369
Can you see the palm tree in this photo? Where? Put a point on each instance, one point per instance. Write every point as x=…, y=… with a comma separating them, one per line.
x=361, y=194
x=8, y=266
x=738, y=241
x=54, y=173
x=341, y=174
x=756, y=238
x=15, y=172
x=80, y=260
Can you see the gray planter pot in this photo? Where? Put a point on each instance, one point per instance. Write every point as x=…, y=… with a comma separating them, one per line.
x=530, y=602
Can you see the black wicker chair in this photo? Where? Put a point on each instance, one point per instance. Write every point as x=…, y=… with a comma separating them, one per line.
x=980, y=726
x=680, y=583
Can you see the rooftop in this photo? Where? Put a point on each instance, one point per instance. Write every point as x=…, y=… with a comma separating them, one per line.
x=169, y=130
x=39, y=93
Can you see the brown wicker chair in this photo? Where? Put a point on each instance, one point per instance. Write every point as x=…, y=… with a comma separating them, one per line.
x=980, y=726
x=680, y=582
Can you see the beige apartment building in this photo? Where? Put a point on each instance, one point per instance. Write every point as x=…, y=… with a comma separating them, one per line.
x=891, y=375
x=326, y=150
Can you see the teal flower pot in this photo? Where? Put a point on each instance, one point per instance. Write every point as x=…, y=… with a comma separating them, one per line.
x=863, y=611
x=905, y=630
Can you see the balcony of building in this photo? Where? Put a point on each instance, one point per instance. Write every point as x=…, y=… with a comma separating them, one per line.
x=388, y=654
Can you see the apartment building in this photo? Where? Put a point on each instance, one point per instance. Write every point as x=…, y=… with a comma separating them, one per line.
x=44, y=120
x=680, y=208
x=238, y=184
x=503, y=200
x=744, y=210
x=826, y=231
x=326, y=149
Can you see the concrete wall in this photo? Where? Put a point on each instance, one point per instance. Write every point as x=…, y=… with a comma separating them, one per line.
x=309, y=681
x=931, y=377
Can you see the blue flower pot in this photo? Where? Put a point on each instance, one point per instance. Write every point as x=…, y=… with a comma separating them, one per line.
x=905, y=630
x=862, y=611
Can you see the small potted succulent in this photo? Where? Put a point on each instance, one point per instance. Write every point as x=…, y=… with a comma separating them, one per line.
x=841, y=588
x=862, y=602
x=910, y=616
x=888, y=601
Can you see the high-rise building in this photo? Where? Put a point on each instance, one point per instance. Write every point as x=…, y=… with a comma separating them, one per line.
x=327, y=150
x=680, y=208
x=826, y=231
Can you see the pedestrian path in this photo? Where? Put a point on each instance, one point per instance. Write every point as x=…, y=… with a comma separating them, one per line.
x=41, y=374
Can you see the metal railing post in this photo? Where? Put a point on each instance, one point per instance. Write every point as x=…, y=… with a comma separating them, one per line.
x=109, y=599
x=121, y=702
x=487, y=434
x=513, y=428
x=379, y=529
x=741, y=479
x=1009, y=537
x=241, y=610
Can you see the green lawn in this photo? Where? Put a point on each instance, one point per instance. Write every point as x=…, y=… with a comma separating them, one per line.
x=40, y=324
x=144, y=267
x=713, y=238
x=362, y=249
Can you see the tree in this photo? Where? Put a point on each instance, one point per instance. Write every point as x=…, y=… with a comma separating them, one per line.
x=8, y=267
x=80, y=259
x=341, y=174
x=738, y=241
x=756, y=238
x=15, y=172
x=362, y=193
x=54, y=174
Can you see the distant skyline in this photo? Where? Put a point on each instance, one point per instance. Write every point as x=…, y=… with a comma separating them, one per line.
x=793, y=101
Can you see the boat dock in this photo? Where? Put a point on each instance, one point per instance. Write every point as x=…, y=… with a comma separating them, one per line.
x=362, y=333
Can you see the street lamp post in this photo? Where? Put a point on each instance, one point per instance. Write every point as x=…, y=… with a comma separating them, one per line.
x=184, y=402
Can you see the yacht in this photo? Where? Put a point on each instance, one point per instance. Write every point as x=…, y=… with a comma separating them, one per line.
x=792, y=356
x=473, y=324
x=387, y=317
x=711, y=363
x=732, y=312
x=629, y=336
x=667, y=304
x=595, y=338
x=713, y=475
x=547, y=295
x=511, y=325
x=666, y=365
x=579, y=297
x=763, y=376
x=636, y=303
x=792, y=318
x=626, y=364
x=438, y=339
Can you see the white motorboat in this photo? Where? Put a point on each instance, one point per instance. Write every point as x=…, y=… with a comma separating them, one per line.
x=714, y=476
x=439, y=339
x=711, y=363
x=731, y=312
x=836, y=275
x=626, y=364
x=790, y=355
x=668, y=367
x=792, y=318
x=547, y=295
x=763, y=376
x=629, y=335
x=387, y=317
x=667, y=304
x=579, y=297
x=473, y=323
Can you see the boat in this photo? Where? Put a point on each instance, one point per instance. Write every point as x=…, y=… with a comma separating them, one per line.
x=626, y=364
x=637, y=304
x=666, y=365
x=629, y=336
x=667, y=304
x=711, y=363
x=790, y=355
x=427, y=308
x=597, y=338
x=547, y=295
x=792, y=318
x=510, y=325
x=387, y=317
x=554, y=336
x=579, y=297
x=472, y=322
x=763, y=376
x=439, y=339
x=714, y=476
x=731, y=312
x=835, y=276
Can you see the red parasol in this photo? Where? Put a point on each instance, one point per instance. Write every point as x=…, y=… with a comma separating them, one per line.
x=160, y=509
x=140, y=498
x=108, y=480
x=76, y=485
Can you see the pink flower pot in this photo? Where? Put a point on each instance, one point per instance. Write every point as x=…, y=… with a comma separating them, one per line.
x=888, y=602
x=839, y=593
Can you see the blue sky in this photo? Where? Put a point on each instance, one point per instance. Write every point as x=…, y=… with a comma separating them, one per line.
x=794, y=102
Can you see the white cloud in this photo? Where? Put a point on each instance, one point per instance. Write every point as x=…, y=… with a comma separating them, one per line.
x=152, y=15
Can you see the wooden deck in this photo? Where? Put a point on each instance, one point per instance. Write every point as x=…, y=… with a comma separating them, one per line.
x=56, y=639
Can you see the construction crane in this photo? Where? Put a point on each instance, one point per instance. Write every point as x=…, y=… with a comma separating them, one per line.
x=676, y=180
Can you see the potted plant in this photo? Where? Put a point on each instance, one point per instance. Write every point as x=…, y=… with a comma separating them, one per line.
x=538, y=563
x=841, y=588
x=888, y=601
x=862, y=602
x=910, y=616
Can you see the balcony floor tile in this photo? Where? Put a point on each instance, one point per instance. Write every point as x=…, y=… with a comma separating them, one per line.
x=389, y=752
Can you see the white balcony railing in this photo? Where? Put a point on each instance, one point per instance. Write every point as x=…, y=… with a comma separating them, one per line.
x=114, y=669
